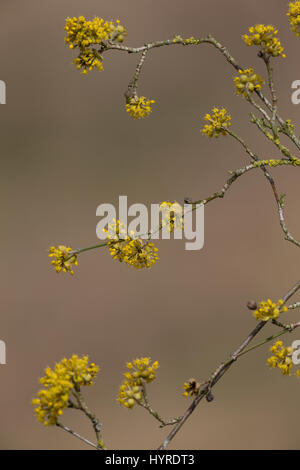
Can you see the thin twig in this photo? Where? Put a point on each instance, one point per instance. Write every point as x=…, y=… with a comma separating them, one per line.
x=220, y=371
x=70, y=431
x=92, y=417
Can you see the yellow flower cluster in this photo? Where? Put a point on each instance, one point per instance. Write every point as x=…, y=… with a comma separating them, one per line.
x=139, y=107
x=219, y=121
x=247, y=82
x=83, y=34
x=177, y=38
x=139, y=371
x=281, y=358
x=133, y=251
x=294, y=17
x=63, y=258
x=67, y=374
x=269, y=310
x=191, y=388
x=265, y=36
x=172, y=215
x=88, y=59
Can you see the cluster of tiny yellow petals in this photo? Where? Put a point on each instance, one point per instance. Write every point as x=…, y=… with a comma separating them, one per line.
x=191, y=388
x=138, y=371
x=247, y=82
x=266, y=38
x=58, y=383
x=87, y=60
x=63, y=258
x=218, y=122
x=172, y=215
x=117, y=238
x=139, y=107
x=281, y=358
x=132, y=251
x=294, y=17
x=140, y=254
x=177, y=39
x=269, y=310
x=84, y=34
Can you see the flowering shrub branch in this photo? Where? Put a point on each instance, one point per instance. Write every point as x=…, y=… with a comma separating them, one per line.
x=93, y=39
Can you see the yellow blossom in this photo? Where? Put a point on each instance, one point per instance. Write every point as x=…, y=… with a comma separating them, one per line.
x=247, y=82
x=87, y=60
x=177, y=38
x=218, y=122
x=68, y=374
x=266, y=38
x=269, y=310
x=132, y=251
x=140, y=254
x=63, y=258
x=84, y=34
x=191, y=388
x=172, y=215
x=294, y=17
x=281, y=358
x=139, y=107
x=139, y=371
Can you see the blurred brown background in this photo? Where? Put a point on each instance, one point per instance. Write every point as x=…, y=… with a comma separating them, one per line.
x=67, y=145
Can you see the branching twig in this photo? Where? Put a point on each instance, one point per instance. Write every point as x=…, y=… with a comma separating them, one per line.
x=92, y=417
x=75, y=434
x=220, y=371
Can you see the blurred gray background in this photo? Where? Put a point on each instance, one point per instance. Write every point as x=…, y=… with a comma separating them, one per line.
x=67, y=145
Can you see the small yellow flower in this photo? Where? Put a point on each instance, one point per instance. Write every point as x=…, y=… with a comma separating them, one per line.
x=269, y=310
x=281, y=358
x=140, y=371
x=58, y=384
x=63, y=258
x=218, y=123
x=172, y=215
x=139, y=107
x=191, y=388
x=247, y=82
x=140, y=254
x=87, y=60
x=294, y=17
x=266, y=38
x=177, y=38
x=132, y=251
